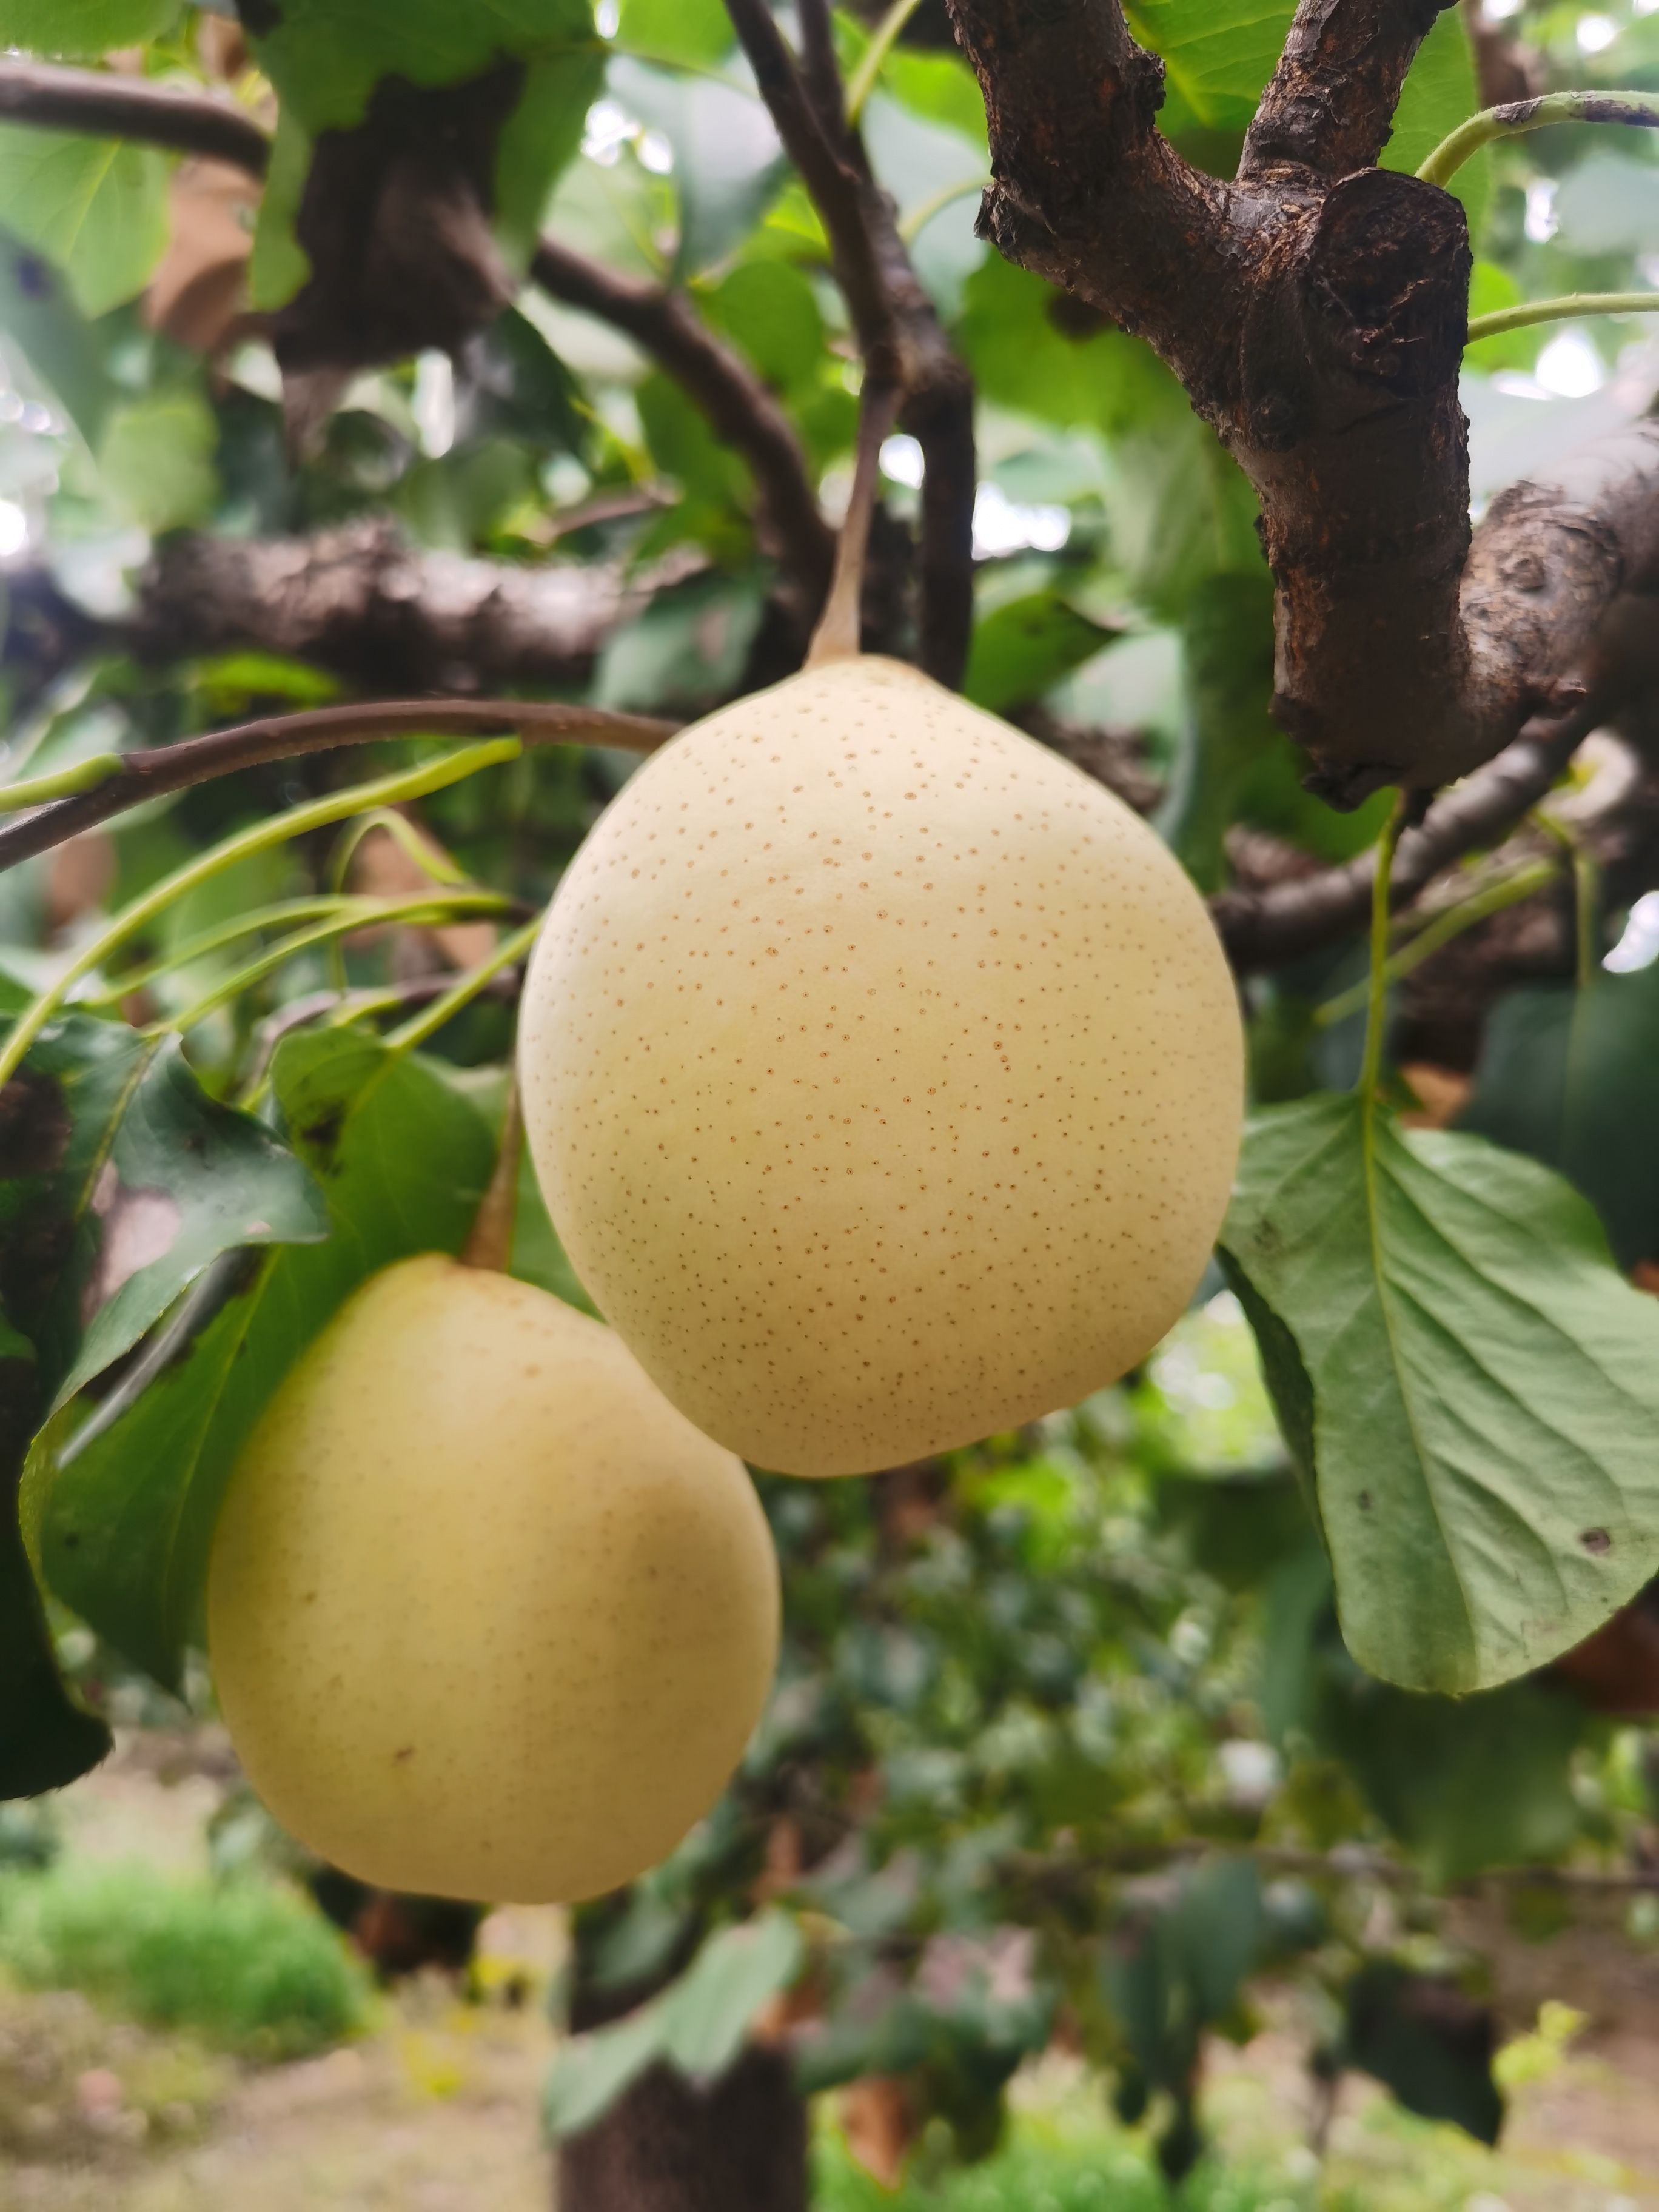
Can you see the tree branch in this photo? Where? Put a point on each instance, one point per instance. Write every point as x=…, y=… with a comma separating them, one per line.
x=1316, y=311
x=1330, y=106
x=98, y=104
x=898, y=332
x=137, y=776
x=742, y=410
x=1270, y=928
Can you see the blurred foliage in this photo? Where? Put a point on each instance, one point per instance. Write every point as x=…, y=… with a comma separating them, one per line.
x=245, y=1967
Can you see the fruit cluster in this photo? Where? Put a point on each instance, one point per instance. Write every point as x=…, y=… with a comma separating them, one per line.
x=884, y=1078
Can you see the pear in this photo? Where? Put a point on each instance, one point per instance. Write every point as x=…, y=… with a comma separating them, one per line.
x=487, y=1617
x=883, y=1073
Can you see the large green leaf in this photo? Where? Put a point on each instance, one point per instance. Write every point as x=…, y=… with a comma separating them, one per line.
x=95, y=210
x=1572, y=1078
x=82, y=26
x=1483, y=1386
x=126, y=1523
x=728, y=164
x=123, y=1182
x=699, y=2025
x=1022, y=649
x=39, y=314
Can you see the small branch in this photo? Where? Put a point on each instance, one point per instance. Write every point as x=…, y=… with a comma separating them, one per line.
x=840, y=634
x=820, y=70
x=1268, y=929
x=1638, y=110
x=898, y=331
x=1570, y=304
x=137, y=776
x=739, y=406
x=1330, y=106
x=100, y=105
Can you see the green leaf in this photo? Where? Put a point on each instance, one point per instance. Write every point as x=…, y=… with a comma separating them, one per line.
x=1573, y=1078
x=694, y=33
x=38, y=313
x=1421, y=2037
x=125, y=1180
x=127, y=1523
x=1218, y=54
x=82, y=27
x=699, y=2025
x=157, y=460
x=1483, y=1386
x=770, y=310
x=95, y=210
x=1227, y=646
x=728, y=165
x=708, y=2014
x=592, y=2071
x=1022, y=649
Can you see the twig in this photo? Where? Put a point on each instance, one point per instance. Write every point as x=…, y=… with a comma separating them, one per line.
x=1270, y=928
x=1638, y=110
x=898, y=331
x=137, y=776
x=345, y=1006
x=100, y=105
x=742, y=410
x=465, y=989
x=490, y=1241
x=820, y=70
x=1563, y=310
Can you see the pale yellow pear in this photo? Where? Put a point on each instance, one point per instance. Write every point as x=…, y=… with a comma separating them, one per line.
x=883, y=1073
x=487, y=1617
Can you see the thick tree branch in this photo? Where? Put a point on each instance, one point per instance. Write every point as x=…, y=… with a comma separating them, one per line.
x=103, y=106
x=742, y=410
x=1330, y=106
x=164, y=769
x=1316, y=311
x=898, y=331
x=363, y=602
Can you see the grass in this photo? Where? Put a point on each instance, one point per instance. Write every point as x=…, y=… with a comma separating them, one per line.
x=1037, y=2173
x=245, y=1966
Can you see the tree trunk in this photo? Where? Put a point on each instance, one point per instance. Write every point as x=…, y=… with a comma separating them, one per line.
x=666, y=2147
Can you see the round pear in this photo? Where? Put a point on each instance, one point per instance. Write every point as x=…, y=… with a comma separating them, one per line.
x=883, y=1075
x=487, y=1616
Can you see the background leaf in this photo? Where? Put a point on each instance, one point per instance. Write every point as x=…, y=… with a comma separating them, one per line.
x=1572, y=1078
x=1485, y=1387
x=95, y=210
x=81, y=27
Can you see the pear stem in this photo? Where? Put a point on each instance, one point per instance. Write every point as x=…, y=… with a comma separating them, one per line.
x=839, y=631
x=490, y=1246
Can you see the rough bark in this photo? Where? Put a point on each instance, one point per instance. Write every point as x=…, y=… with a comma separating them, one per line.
x=364, y=603
x=1316, y=310
x=666, y=2147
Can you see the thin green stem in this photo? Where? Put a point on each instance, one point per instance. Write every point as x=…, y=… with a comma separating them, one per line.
x=374, y=913
x=1639, y=110
x=883, y=41
x=431, y=860
x=1586, y=915
x=210, y=941
x=1564, y=310
x=1509, y=890
x=1376, y=996
x=68, y=783
x=919, y=218
x=466, y=989
x=317, y=814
